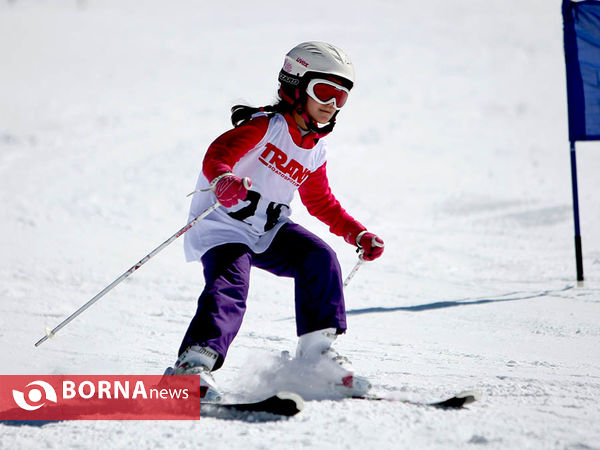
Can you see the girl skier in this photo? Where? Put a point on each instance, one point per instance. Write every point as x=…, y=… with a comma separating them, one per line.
x=253, y=171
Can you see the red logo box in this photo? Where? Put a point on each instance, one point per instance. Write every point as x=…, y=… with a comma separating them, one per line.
x=99, y=397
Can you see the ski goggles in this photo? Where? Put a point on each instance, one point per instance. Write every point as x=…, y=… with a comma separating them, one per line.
x=325, y=91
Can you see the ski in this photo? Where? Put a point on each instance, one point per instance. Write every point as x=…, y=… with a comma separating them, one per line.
x=289, y=403
x=283, y=404
x=455, y=402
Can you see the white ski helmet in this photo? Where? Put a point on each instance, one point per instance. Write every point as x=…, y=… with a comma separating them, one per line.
x=311, y=60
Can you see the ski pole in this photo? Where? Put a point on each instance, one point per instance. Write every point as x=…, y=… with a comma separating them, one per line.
x=132, y=269
x=359, y=263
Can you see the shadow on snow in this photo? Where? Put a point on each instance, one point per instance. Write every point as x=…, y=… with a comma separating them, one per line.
x=509, y=297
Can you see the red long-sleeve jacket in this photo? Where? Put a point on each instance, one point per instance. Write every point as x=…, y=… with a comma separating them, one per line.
x=315, y=191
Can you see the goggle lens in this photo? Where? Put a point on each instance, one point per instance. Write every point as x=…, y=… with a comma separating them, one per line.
x=325, y=91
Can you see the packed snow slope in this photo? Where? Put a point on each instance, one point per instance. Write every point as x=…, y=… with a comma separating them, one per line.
x=453, y=148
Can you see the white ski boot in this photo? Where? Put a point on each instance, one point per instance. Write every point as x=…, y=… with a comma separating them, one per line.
x=316, y=346
x=198, y=360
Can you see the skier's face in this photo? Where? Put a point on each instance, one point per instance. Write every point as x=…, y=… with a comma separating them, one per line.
x=318, y=112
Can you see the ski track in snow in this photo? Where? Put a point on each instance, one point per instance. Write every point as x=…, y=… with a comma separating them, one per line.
x=453, y=148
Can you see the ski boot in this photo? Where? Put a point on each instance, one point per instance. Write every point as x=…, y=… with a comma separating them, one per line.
x=196, y=360
x=316, y=346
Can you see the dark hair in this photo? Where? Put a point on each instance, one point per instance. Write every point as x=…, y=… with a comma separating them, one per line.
x=240, y=114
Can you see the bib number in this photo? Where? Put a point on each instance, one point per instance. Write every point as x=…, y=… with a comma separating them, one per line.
x=273, y=210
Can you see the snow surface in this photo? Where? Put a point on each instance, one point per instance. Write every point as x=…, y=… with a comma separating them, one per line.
x=453, y=148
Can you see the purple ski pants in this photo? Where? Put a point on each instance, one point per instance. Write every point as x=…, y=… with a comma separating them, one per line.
x=295, y=252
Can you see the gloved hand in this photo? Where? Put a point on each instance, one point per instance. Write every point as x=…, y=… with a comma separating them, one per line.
x=371, y=245
x=230, y=188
